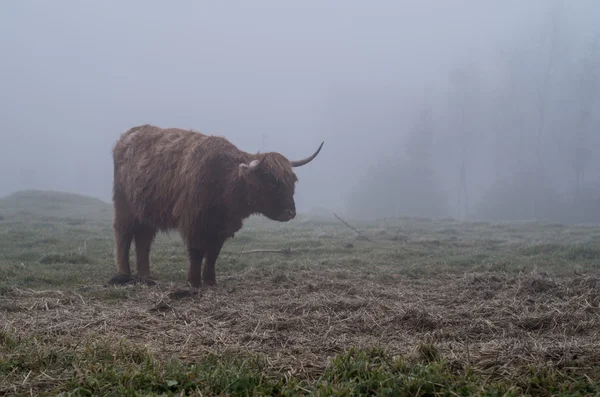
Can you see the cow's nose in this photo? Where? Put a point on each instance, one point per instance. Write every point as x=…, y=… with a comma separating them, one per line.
x=291, y=213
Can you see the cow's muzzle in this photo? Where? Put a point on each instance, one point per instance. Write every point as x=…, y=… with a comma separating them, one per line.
x=287, y=215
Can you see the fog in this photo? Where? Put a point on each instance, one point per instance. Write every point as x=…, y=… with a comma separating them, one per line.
x=404, y=94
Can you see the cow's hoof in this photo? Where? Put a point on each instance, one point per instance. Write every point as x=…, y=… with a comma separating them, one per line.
x=194, y=282
x=121, y=279
x=210, y=283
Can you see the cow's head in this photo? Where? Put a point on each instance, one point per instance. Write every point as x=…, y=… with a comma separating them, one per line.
x=271, y=182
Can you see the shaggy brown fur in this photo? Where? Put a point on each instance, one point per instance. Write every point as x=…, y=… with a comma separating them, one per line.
x=202, y=185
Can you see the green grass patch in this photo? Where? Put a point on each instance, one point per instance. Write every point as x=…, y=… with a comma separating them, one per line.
x=70, y=258
x=118, y=367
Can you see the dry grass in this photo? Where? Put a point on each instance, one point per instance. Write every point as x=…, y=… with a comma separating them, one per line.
x=497, y=324
x=465, y=308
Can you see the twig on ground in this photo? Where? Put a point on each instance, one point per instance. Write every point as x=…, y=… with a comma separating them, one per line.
x=346, y=223
x=285, y=251
x=360, y=233
x=361, y=236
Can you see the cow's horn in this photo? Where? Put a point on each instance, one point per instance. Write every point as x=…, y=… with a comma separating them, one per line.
x=253, y=164
x=307, y=160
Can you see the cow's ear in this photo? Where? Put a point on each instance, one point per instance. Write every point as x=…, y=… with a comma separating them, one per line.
x=246, y=168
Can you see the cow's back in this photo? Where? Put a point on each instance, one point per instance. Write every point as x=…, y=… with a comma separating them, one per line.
x=151, y=166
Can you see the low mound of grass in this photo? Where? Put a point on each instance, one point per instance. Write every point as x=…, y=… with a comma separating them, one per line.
x=53, y=204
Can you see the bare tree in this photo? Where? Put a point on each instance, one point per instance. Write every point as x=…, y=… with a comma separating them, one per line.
x=428, y=198
x=509, y=111
x=463, y=83
x=587, y=89
x=549, y=52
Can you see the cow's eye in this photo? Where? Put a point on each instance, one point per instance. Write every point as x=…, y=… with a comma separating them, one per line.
x=272, y=182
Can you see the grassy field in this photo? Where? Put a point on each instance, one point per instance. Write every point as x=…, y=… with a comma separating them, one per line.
x=418, y=308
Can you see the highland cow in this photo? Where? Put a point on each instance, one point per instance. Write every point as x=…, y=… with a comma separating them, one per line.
x=201, y=185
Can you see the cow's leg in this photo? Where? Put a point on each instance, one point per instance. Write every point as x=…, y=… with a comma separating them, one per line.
x=144, y=236
x=212, y=253
x=194, y=276
x=123, y=225
x=123, y=238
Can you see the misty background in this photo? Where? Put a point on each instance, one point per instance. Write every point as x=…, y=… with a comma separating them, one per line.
x=464, y=109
